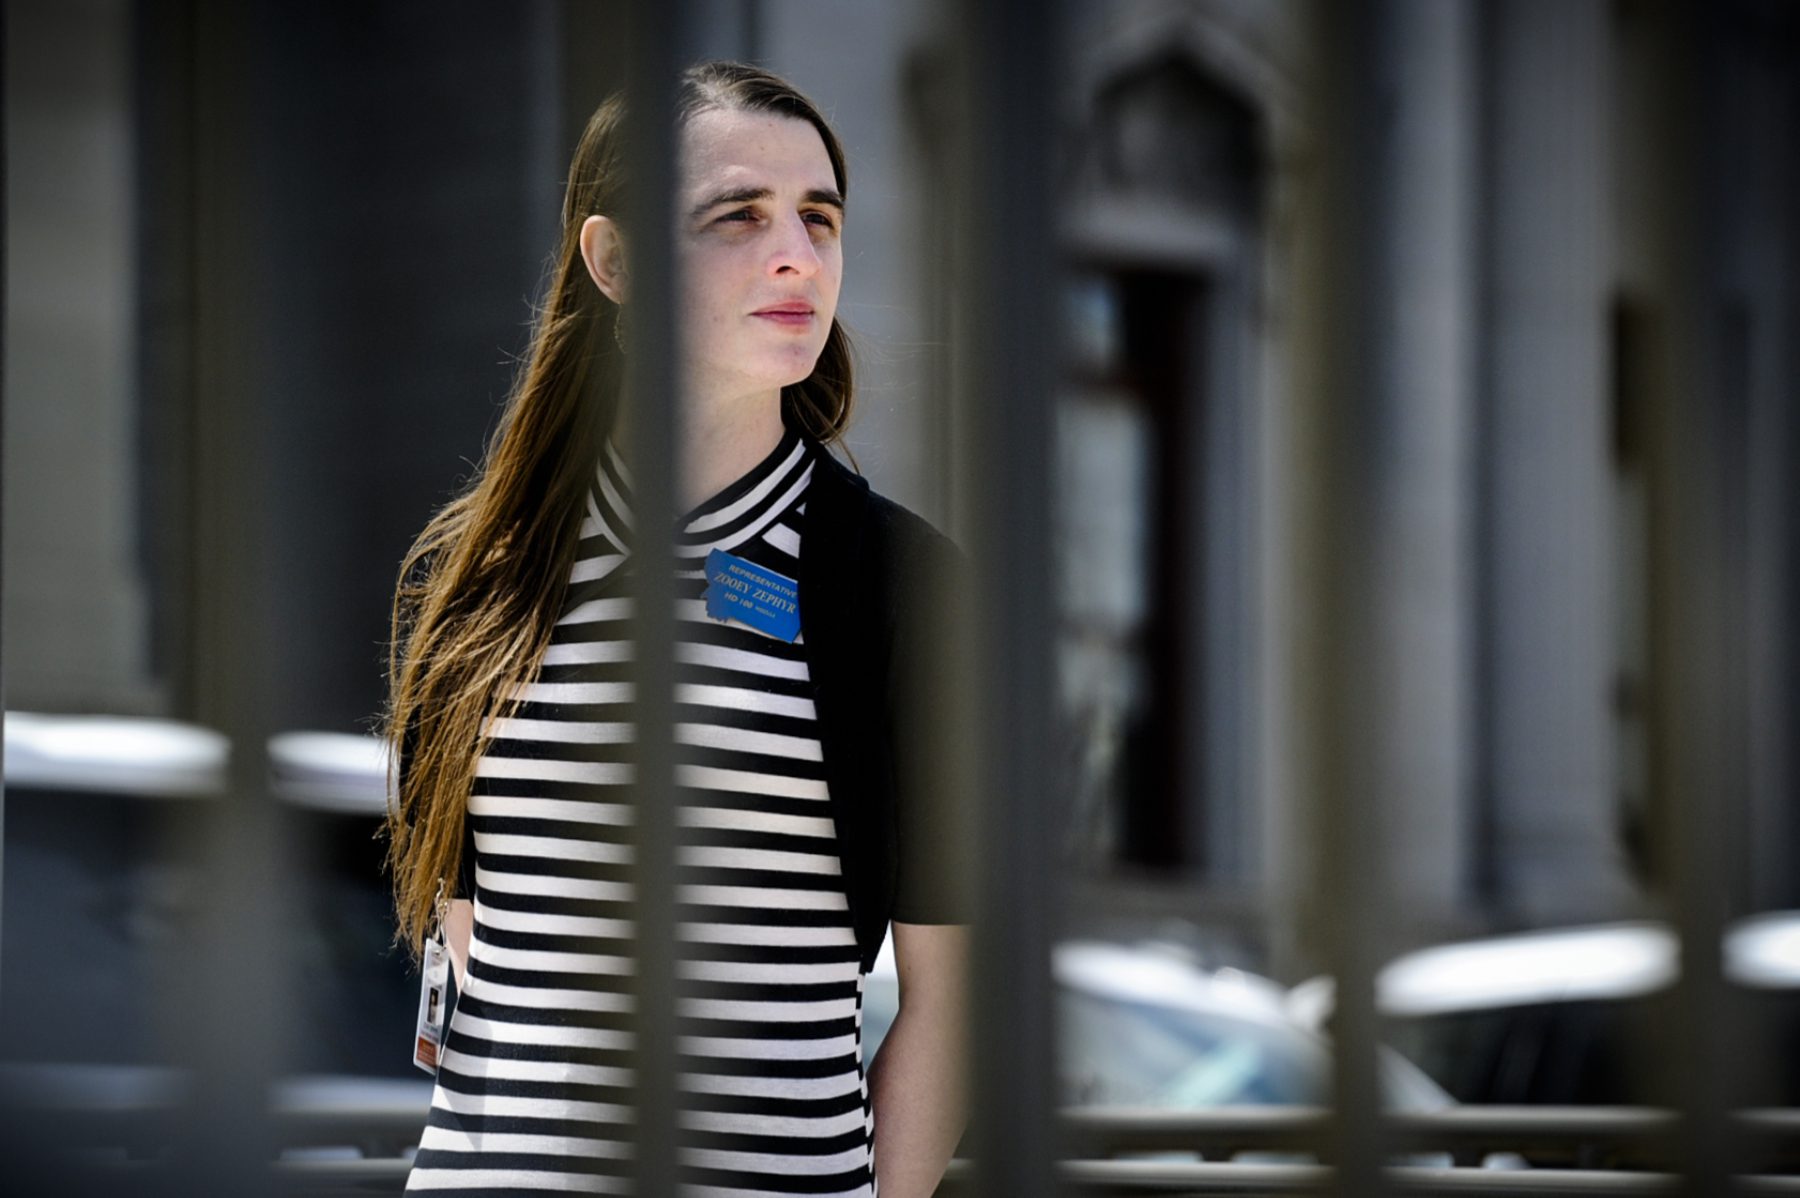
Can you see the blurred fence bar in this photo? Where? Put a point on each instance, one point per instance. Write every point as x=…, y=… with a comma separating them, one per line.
x=659, y=33
x=230, y=1005
x=1573, y=1150
x=1007, y=64
x=1563, y=1138
x=1699, y=781
x=1381, y=687
x=4, y=157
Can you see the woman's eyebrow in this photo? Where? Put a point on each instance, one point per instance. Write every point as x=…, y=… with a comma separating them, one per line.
x=742, y=195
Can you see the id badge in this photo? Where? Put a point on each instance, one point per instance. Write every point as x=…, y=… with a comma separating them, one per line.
x=740, y=590
x=434, y=980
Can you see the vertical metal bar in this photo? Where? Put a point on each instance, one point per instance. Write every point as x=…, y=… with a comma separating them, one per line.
x=1783, y=397
x=547, y=89
x=1697, y=785
x=4, y=159
x=1334, y=650
x=1382, y=405
x=1009, y=57
x=658, y=34
x=235, y=1019
x=752, y=23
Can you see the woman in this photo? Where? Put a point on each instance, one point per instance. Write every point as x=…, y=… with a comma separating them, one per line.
x=803, y=838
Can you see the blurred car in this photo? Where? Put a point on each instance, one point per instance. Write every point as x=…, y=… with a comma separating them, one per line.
x=1144, y=1026
x=1560, y=1017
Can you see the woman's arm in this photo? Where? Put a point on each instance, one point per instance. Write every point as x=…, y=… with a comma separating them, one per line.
x=917, y=1079
x=459, y=925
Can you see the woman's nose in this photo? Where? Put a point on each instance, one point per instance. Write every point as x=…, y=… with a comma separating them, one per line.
x=795, y=246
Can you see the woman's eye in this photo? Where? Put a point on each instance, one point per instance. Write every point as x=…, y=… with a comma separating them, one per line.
x=824, y=220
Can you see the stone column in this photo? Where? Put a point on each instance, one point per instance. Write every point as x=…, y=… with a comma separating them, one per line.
x=1548, y=781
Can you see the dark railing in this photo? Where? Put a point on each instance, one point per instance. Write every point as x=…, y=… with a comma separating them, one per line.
x=351, y=1135
x=1351, y=548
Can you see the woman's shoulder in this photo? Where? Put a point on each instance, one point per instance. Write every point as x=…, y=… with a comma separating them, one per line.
x=898, y=530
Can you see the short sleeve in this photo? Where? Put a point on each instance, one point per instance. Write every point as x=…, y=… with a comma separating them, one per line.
x=934, y=814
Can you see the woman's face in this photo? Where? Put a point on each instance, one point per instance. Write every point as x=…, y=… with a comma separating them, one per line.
x=760, y=223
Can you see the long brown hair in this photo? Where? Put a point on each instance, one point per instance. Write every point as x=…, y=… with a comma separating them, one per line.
x=481, y=587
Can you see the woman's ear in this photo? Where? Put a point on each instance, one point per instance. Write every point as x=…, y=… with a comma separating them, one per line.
x=603, y=250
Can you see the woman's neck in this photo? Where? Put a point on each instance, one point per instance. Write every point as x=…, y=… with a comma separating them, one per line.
x=718, y=443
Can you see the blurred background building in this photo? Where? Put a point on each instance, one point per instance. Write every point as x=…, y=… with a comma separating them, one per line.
x=405, y=174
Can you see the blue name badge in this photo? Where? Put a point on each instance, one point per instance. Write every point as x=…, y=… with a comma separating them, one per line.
x=760, y=599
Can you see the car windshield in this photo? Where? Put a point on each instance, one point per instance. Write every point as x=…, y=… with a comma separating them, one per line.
x=1139, y=1054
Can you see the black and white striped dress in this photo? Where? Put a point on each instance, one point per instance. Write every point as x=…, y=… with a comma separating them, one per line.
x=533, y=1092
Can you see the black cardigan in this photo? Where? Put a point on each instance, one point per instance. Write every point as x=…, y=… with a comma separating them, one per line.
x=868, y=571
x=868, y=567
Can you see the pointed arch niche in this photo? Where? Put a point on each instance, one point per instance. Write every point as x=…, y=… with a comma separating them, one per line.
x=1168, y=143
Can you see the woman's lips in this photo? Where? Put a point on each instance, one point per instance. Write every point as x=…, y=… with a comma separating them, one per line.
x=790, y=319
